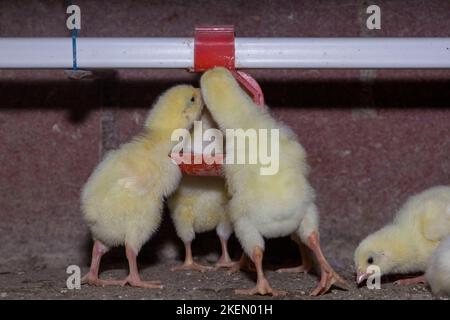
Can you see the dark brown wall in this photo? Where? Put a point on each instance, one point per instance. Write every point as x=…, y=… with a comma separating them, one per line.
x=373, y=137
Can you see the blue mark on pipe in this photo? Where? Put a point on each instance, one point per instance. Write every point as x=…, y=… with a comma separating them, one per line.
x=74, y=49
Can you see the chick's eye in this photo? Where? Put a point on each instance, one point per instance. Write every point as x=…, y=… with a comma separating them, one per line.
x=193, y=99
x=370, y=260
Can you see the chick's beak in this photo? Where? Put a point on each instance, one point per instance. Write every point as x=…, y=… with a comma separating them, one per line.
x=361, y=276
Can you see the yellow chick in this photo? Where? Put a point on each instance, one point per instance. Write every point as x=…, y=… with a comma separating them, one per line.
x=199, y=205
x=406, y=244
x=438, y=270
x=123, y=198
x=269, y=205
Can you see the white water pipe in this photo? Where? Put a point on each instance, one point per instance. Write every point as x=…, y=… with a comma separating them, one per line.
x=255, y=53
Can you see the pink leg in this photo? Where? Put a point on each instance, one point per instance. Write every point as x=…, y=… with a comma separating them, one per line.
x=328, y=276
x=262, y=285
x=91, y=278
x=189, y=263
x=225, y=260
x=306, y=265
x=133, y=278
x=409, y=281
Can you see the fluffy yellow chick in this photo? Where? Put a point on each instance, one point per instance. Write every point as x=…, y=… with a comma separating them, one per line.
x=438, y=270
x=406, y=244
x=122, y=200
x=199, y=205
x=265, y=206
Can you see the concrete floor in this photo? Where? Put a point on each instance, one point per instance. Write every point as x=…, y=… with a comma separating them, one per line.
x=38, y=280
x=49, y=283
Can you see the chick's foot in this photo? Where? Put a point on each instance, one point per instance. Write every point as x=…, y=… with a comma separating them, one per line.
x=327, y=279
x=306, y=265
x=93, y=280
x=225, y=260
x=191, y=266
x=244, y=263
x=262, y=288
x=328, y=276
x=226, y=264
x=262, y=285
x=298, y=269
x=133, y=278
x=135, y=281
x=410, y=281
x=189, y=263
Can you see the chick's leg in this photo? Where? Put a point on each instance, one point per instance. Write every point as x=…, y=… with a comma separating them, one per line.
x=189, y=263
x=306, y=265
x=253, y=244
x=133, y=278
x=410, y=281
x=262, y=285
x=224, y=260
x=328, y=276
x=224, y=231
x=91, y=278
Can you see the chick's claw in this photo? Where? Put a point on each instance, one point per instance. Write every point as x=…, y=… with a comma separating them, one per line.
x=95, y=281
x=298, y=269
x=328, y=279
x=324, y=285
x=410, y=281
x=340, y=282
x=256, y=291
x=224, y=264
x=328, y=276
x=262, y=288
x=320, y=290
x=137, y=283
x=191, y=266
